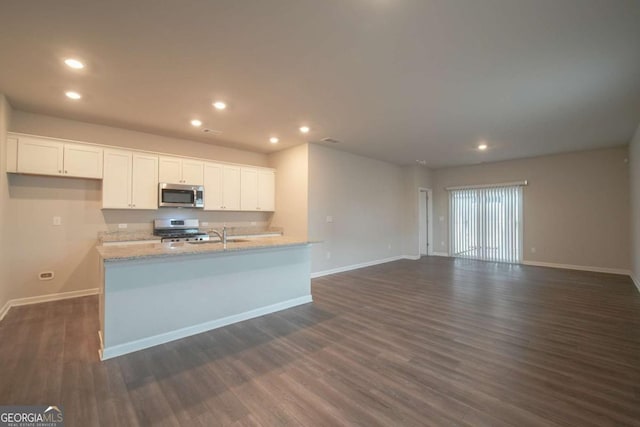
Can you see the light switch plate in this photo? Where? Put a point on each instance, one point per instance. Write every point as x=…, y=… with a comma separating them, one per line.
x=57, y=220
x=329, y=218
x=122, y=225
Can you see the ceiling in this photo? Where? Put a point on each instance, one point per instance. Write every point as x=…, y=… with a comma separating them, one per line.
x=397, y=80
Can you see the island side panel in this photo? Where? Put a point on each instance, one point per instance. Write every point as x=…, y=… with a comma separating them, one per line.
x=155, y=300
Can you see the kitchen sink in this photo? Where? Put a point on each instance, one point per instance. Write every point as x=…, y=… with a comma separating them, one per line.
x=209, y=242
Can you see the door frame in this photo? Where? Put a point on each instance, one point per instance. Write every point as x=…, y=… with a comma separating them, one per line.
x=425, y=225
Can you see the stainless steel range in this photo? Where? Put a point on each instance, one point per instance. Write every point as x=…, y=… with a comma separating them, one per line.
x=178, y=230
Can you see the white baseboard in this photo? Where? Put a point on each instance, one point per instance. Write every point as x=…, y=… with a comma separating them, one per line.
x=46, y=298
x=5, y=309
x=120, y=349
x=411, y=257
x=439, y=254
x=355, y=266
x=579, y=267
x=635, y=281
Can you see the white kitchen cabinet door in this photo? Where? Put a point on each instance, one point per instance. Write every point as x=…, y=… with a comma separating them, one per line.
x=12, y=154
x=144, y=181
x=221, y=187
x=213, y=173
x=83, y=161
x=170, y=170
x=116, y=183
x=266, y=190
x=192, y=172
x=40, y=156
x=249, y=189
x=231, y=187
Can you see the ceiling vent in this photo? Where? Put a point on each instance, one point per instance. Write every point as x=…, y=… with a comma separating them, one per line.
x=331, y=140
x=212, y=131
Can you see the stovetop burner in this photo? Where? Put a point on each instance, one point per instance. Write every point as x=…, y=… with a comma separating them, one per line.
x=178, y=230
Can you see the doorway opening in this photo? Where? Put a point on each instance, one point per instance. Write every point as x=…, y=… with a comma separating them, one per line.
x=425, y=227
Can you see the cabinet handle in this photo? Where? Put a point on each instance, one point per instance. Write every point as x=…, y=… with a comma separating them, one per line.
x=258, y=209
x=59, y=171
x=133, y=206
x=66, y=171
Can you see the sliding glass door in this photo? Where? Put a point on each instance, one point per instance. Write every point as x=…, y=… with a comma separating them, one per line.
x=486, y=223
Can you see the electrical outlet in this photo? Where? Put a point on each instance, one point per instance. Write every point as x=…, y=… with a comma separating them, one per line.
x=57, y=220
x=442, y=243
x=533, y=250
x=46, y=275
x=328, y=255
x=253, y=223
x=122, y=225
x=329, y=218
x=389, y=246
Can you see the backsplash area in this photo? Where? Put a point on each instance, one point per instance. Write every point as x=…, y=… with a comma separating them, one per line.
x=143, y=220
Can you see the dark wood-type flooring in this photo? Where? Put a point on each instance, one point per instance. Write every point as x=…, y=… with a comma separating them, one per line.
x=410, y=343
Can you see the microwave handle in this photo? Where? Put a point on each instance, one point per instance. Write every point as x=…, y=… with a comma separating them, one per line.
x=195, y=196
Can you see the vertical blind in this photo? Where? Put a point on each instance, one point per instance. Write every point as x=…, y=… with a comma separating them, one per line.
x=486, y=223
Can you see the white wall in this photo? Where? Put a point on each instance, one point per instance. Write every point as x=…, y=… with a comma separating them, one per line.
x=634, y=168
x=32, y=244
x=292, y=185
x=365, y=197
x=576, y=206
x=5, y=116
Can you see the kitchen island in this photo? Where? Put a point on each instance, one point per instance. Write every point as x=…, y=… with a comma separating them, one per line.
x=158, y=292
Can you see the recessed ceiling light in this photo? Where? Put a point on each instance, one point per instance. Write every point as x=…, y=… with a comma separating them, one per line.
x=219, y=105
x=73, y=95
x=196, y=123
x=304, y=129
x=74, y=63
x=482, y=147
x=274, y=140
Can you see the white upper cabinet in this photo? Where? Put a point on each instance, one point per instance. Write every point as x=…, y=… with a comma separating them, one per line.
x=257, y=189
x=221, y=187
x=231, y=187
x=83, y=161
x=266, y=190
x=51, y=157
x=40, y=156
x=170, y=170
x=116, y=183
x=249, y=189
x=176, y=170
x=192, y=172
x=130, y=180
x=144, y=181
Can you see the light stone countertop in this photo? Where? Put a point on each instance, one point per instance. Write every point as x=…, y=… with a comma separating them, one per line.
x=125, y=236
x=158, y=250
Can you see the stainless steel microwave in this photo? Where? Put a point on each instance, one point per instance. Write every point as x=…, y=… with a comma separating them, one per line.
x=180, y=196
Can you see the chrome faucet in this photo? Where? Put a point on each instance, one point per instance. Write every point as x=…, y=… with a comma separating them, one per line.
x=222, y=236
